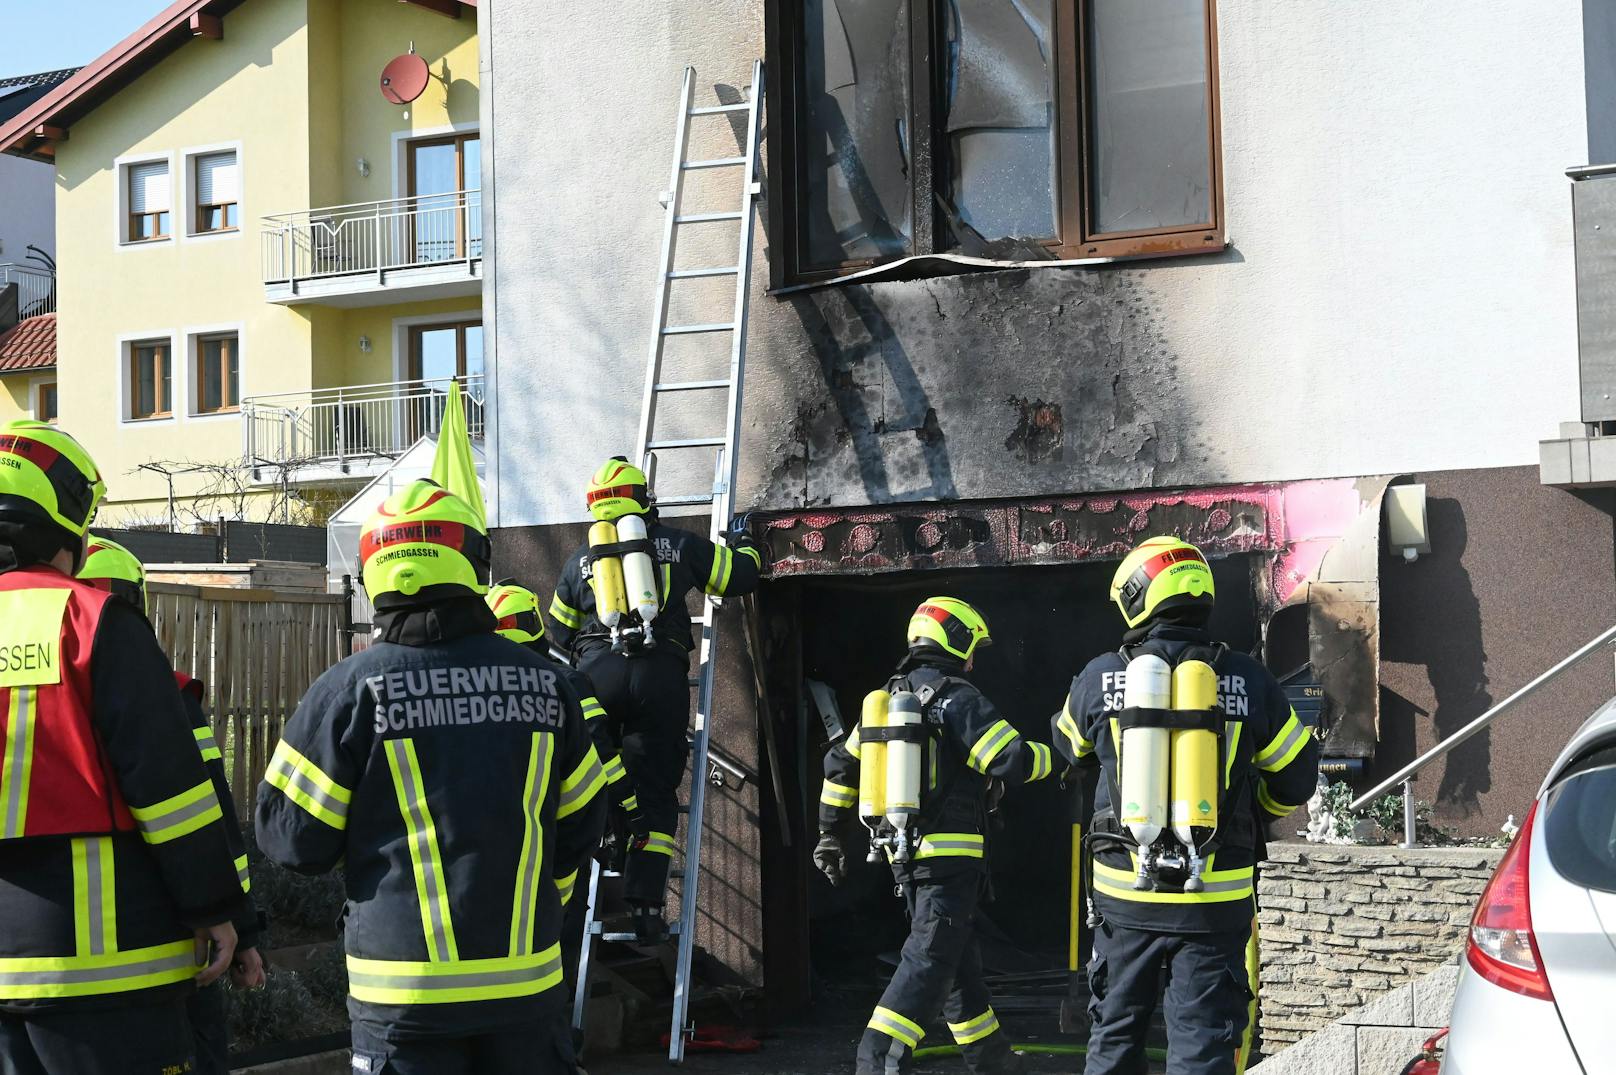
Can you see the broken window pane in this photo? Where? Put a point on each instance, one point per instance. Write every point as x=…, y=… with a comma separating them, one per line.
x=1000, y=119
x=855, y=166
x=1150, y=161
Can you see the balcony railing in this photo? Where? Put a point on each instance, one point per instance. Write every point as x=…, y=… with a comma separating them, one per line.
x=373, y=238
x=344, y=428
x=36, y=288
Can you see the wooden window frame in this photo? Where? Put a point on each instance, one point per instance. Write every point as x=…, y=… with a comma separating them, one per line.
x=130, y=235
x=201, y=364
x=165, y=349
x=1073, y=126
x=458, y=139
x=413, y=356
x=39, y=401
x=133, y=235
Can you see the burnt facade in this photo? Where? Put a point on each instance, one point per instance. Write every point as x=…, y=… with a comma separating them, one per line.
x=1005, y=426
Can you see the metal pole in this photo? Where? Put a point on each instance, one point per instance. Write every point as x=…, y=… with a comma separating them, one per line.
x=1408, y=814
x=347, y=615
x=1604, y=638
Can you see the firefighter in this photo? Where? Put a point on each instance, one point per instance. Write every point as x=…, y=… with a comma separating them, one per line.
x=450, y=771
x=971, y=753
x=111, y=567
x=1197, y=939
x=116, y=876
x=646, y=688
x=517, y=609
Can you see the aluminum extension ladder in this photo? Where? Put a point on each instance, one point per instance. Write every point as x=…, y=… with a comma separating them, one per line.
x=718, y=498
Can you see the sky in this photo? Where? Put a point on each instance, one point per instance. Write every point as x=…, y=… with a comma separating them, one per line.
x=44, y=35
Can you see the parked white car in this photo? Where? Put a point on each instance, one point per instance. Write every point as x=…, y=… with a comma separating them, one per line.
x=1537, y=992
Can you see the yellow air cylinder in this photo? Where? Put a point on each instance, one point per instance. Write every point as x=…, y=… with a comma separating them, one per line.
x=1144, y=761
x=606, y=577
x=1195, y=757
x=873, y=759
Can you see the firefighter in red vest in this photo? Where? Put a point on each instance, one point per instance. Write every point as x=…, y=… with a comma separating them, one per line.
x=117, y=889
x=111, y=567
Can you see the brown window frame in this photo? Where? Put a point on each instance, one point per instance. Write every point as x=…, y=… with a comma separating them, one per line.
x=39, y=402
x=131, y=233
x=164, y=351
x=1073, y=122
x=134, y=235
x=458, y=140
x=413, y=365
x=200, y=362
x=200, y=209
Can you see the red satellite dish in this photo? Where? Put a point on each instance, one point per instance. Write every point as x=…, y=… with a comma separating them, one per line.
x=404, y=78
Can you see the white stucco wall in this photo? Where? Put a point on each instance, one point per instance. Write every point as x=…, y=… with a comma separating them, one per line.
x=1398, y=297
x=27, y=208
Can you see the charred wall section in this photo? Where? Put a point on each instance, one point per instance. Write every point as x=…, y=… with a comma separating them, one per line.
x=1013, y=383
x=1518, y=576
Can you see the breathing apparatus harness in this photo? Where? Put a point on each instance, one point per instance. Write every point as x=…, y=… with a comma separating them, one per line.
x=631, y=635
x=928, y=686
x=1167, y=861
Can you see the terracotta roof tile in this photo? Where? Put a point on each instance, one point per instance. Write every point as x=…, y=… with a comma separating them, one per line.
x=29, y=345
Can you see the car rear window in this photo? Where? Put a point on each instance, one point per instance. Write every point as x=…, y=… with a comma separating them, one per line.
x=1579, y=822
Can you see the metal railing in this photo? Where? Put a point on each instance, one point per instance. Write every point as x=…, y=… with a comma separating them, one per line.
x=373, y=237
x=1404, y=776
x=36, y=288
x=337, y=426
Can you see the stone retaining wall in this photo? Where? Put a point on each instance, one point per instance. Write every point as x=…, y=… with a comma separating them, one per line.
x=1342, y=926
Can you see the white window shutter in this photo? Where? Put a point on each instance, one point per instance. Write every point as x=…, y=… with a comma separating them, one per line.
x=216, y=181
x=149, y=187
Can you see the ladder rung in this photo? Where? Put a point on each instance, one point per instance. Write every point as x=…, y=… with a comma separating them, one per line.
x=620, y=938
x=706, y=218
x=685, y=500
x=713, y=110
x=698, y=442
x=691, y=386
x=691, y=274
x=716, y=162
x=685, y=330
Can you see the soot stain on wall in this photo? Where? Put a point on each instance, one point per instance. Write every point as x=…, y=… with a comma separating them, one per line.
x=1013, y=383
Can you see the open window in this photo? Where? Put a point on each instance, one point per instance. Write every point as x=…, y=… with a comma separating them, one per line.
x=1004, y=129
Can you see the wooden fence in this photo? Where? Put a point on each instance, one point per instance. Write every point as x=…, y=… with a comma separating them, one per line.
x=257, y=652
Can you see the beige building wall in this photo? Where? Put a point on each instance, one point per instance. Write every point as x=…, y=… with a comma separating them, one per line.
x=293, y=87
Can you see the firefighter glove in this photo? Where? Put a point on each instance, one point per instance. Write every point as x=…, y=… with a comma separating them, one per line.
x=830, y=858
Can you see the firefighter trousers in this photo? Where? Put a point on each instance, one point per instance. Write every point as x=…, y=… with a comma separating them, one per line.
x=540, y=1047
x=940, y=971
x=647, y=700
x=148, y=1038
x=1205, y=1001
x=209, y=1032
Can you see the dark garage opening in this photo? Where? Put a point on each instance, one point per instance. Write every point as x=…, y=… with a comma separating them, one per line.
x=1046, y=623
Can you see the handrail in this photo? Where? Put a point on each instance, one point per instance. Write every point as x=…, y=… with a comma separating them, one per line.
x=385, y=203
x=349, y=392
x=1605, y=638
x=1591, y=171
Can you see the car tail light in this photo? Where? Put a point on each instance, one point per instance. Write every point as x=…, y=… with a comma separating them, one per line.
x=1502, y=949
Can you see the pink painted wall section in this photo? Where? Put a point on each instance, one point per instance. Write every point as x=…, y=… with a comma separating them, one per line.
x=1314, y=516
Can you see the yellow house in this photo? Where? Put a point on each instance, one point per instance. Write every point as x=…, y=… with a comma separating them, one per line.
x=268, y=270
